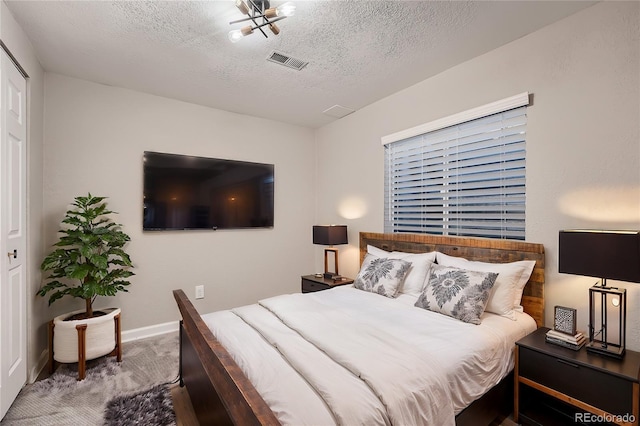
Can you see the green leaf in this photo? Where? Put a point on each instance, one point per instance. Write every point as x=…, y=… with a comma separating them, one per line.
x=57, y=295
x=78, y=272
x=86, y=251
x=73, y=220
x=90, y=201
x=99, y=261
x=49, y=287
x=104, y=231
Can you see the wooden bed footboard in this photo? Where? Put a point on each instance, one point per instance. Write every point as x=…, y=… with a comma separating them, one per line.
x=221, y=393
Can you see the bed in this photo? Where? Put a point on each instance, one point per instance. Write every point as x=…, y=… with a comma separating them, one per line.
x=223, y=364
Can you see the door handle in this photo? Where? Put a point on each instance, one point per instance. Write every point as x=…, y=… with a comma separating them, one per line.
x=13, y=254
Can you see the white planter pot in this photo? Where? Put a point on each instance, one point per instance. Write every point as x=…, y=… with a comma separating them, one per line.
x=100, y=336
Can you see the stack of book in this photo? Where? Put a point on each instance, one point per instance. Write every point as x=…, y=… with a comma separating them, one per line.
x=574, y=342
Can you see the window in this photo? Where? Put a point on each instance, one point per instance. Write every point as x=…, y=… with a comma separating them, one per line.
x=466, y=178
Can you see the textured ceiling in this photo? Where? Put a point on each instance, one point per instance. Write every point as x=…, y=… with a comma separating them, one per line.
x=358, y=51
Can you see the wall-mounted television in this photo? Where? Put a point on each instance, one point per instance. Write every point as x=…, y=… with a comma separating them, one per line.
x=185, y=192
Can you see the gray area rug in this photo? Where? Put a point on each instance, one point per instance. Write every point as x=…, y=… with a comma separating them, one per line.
x=61, y=400
x=150, y=407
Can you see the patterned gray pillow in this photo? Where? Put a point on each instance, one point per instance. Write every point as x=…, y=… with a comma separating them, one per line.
x=457, y=292
x=381, y=275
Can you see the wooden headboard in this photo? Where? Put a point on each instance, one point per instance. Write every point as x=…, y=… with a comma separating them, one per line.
x=480, y=249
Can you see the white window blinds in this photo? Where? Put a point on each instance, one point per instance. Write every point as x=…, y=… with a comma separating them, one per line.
x=465, y=179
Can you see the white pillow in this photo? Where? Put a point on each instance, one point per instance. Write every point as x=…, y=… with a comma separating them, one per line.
x=522, y=282
x=377, y=251
x=508, y=287
x=417, y=276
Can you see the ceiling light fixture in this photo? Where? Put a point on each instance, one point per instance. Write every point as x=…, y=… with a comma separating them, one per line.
x=260, y=10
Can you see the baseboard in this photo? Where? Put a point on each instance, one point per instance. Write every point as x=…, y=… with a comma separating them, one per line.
x=150, y=331
x=40, y=365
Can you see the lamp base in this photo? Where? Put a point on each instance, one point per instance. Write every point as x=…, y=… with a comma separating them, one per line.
x=610, y=350
x=327, y=273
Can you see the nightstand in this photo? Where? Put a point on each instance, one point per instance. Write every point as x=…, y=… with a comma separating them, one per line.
x=555, y=385
x=312, y=283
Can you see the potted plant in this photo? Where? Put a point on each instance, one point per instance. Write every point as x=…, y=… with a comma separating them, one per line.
x=88, y=261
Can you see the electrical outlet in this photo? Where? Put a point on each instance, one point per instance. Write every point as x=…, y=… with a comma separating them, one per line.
x=199, y=292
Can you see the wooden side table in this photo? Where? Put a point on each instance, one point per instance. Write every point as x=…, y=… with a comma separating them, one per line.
x=311, y=283
x=590, y=387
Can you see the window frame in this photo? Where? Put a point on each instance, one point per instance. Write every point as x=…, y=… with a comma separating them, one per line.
x=415, y=136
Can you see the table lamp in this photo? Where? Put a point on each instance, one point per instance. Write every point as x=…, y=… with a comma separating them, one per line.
x=330, y=235
x=606, y=255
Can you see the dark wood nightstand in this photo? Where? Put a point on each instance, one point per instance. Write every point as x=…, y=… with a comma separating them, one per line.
x=312, y=283
x=559, y=384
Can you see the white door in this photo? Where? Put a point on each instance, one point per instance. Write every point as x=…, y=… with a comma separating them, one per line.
x=13, y=330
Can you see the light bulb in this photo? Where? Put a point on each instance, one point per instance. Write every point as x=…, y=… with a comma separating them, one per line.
x=242, y=7
x=286, y=9
x=235, y=35
x=615, y=301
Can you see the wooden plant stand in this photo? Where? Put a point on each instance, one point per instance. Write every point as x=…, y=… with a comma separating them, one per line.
x=82, y=350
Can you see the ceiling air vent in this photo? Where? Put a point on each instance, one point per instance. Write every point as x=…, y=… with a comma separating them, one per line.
x=287, y=61
x=338, y=111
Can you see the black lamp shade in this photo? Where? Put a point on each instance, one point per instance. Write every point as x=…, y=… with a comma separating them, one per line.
x=330, y=235
x=601, y=254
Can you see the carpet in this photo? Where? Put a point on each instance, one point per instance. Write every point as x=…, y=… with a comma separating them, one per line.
x=150, y=407
x=61, y=400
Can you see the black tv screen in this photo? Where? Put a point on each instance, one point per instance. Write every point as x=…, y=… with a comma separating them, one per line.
x=185, y=192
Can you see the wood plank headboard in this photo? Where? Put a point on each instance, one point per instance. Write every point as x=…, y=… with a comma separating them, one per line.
x=480, y=249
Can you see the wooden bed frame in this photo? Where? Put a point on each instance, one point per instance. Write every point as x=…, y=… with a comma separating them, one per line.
x=222, y=394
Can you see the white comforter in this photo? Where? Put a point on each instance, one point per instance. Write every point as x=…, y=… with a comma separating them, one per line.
x=348, y=357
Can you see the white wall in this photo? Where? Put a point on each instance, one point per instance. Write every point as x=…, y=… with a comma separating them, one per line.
x=583, y=72
x=583, y=139
x=18, y=44
x=95, y=137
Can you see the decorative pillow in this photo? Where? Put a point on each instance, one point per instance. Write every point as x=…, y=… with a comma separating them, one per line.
x=381, y=275
x=456, y=292
x=420, y=264
x=508, y=286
